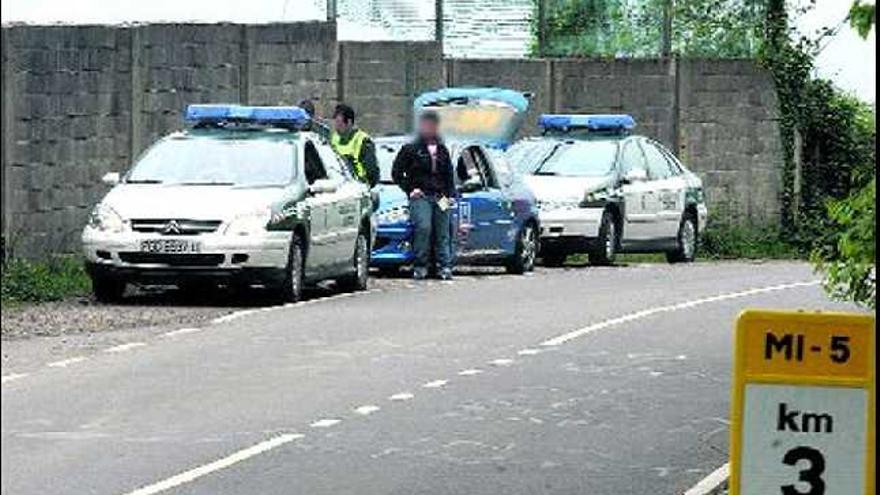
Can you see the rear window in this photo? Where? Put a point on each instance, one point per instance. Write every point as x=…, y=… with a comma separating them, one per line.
x=217, y=161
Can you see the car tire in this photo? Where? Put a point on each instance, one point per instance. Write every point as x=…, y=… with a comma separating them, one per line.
x=606, y=244
x=523, y=259
x=389, y=271
x=686, y=240
x=108, y=289
x=294, y=279
x=359, y=279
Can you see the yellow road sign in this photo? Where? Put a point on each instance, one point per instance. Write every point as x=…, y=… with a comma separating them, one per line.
x=803, y=404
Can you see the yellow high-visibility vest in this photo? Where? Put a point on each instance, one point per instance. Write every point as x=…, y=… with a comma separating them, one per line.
x=351, y=151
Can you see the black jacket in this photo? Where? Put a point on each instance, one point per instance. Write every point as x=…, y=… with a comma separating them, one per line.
x=412, y=169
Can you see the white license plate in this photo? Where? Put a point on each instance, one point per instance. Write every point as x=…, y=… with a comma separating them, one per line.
x=175, y=246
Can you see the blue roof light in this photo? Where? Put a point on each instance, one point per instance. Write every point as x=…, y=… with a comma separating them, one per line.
x=595, y=123
x=219, y=113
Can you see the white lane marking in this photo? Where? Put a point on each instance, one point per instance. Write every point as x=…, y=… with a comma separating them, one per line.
x=501, y=362
x=66, y=362
x=671, y=307
x=11, y=377
x=401, y=396
x=366, y=410
x=712, y=482
x=528, y=352
x=181, y=331
x=326, y=423
x=217, y=465
x=125, y=347
x=245, y=312
x=470, y=372
x=435, y=384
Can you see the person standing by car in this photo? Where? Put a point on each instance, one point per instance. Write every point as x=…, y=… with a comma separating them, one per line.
x=354, y=145
x=423, y=169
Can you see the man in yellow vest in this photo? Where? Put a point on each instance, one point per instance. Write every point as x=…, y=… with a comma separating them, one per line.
x=354, y=145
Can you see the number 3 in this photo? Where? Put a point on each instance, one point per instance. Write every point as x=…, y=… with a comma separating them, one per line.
x=813, y=475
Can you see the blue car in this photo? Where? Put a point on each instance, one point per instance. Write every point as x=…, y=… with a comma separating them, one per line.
x=495, y=218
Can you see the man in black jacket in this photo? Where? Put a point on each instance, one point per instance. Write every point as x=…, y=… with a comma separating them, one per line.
x=423, y=169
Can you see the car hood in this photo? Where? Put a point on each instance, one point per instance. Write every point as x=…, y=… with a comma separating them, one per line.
x=390, y=196
x=190, y=202
x=557, y=188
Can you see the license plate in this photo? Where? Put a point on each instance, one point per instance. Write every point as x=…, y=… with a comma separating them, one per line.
x=176, y=246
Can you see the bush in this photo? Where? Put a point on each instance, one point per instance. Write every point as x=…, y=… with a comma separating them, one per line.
x=28, y=281
x=730, y=241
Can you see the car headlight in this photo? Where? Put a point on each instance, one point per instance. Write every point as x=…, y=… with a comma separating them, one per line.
x=254, y=222
x=105, y=219
x=398, y=214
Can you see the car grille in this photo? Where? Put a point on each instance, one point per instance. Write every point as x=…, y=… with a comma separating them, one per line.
x=381, y=242
x=172, y=259
x=174, y=226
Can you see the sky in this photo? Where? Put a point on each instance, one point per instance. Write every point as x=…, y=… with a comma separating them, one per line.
x=846, y=59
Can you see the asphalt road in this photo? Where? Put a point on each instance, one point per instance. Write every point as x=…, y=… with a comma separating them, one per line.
x=589, y=381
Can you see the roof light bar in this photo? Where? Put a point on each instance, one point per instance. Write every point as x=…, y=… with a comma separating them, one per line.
x=285, y=116
x=594, y=123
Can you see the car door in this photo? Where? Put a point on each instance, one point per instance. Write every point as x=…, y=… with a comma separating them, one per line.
x=484, y=211
x=321, y=237
x=669, y=187
x=343, y=206
x=640, y=202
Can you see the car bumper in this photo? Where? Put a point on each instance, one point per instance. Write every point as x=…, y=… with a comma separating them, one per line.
x=570, y=223
x=255, y=258
x=393, y=247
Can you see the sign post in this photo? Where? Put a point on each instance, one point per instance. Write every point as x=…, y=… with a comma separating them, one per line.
x=803, y=404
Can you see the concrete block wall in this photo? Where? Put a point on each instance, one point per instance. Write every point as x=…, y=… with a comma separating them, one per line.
x=79, y=101
x=381, y=79
x=66, y=117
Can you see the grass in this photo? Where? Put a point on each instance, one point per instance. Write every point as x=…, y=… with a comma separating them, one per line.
x=40, y=281
x=746, y=242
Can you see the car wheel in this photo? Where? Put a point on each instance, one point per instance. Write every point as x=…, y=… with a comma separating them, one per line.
x=606, y=249
x=523, y=259
x=108, y=289
x=292, y=291
x=687, y=241
x=360, y=276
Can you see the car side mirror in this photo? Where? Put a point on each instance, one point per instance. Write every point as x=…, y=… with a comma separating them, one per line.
x=110, y=178
x=323, y=186
x=635, y=175
x=473, y=184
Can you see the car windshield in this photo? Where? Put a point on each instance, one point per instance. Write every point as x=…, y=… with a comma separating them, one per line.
x=526, y=155
x=580, y=159
x=212, y=161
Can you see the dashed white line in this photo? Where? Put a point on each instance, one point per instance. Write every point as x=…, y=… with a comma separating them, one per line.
x=12, y=377
x=217, y=465
x=501, y=362
x=435, y=384
x=401, y=396
x=672, y=307
x=711, y=483
x=181, y=331
x=366, y=410
x=528, y=352
x=66, y=362
x=470, y=372
x=325, y=423
x=125, y=347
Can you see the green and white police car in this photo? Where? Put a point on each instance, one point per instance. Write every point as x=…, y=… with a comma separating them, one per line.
x=602, y=190
x=243, y=197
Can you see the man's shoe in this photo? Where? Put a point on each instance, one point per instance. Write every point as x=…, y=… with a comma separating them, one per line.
x=420, y=274
x=446, y=274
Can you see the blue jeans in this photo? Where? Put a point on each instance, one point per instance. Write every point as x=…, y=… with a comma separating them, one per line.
x=431, y=230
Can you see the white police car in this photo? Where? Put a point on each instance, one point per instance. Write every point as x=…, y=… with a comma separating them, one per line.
x=602, y=190
x=242, y=198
